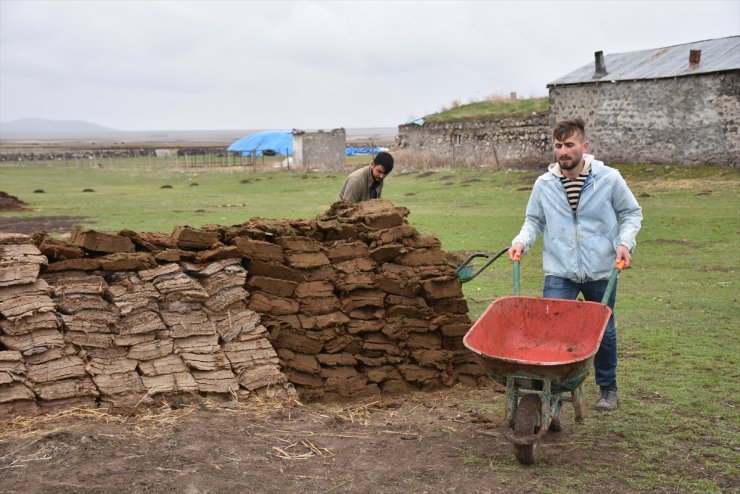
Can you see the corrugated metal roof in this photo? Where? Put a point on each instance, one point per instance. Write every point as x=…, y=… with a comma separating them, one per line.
x=717, y=55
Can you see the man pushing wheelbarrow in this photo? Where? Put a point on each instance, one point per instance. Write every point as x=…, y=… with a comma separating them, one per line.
x=590, y=219
x=542, y=349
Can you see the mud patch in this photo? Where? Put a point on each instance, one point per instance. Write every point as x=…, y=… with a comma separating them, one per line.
x=49, y=224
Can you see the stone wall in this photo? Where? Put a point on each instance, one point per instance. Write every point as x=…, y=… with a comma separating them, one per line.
x=686, y=120
x=355, y=302
x=500, y=144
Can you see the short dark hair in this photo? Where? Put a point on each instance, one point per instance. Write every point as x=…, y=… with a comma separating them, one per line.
x=385, y=160
x=568, y=127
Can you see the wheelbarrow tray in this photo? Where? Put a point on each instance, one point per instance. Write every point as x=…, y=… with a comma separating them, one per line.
x=540, y=338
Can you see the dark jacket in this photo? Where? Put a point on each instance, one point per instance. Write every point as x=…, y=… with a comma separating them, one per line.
x=357, y=186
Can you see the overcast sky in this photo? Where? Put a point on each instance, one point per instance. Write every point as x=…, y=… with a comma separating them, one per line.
x=197, y=65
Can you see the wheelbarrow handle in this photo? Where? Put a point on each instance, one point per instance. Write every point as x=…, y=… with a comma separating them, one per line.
x=609, y=287
x=612, y=281
x=465, y=277
x=517, y=287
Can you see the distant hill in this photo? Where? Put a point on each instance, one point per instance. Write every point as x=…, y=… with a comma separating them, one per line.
x=44, y=126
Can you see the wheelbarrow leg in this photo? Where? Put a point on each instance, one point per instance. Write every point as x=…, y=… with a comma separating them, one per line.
x=512, y=398
x=546, y=413
x=579, y=403
x=556, y=404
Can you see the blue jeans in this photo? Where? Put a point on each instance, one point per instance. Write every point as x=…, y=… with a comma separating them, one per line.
x=605, y=362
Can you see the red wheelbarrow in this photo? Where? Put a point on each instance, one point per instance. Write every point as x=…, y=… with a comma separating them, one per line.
x=540, y=349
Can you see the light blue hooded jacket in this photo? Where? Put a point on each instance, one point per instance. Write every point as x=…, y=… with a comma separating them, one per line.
x=581, y=246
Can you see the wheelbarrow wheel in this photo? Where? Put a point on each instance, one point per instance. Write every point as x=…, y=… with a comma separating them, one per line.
x=527, y=423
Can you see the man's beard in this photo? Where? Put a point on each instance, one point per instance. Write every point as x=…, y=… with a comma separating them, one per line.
x=573, y=164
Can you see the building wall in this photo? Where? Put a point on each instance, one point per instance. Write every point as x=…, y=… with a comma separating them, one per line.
x=320, y=150
x=502, y=143
x=686, y=120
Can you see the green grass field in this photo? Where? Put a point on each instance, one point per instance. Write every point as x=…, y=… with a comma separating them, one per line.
x=493, y=107
x=678, y=425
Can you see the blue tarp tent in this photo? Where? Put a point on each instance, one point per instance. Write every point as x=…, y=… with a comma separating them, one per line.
x=353, y=151
x=265, y=143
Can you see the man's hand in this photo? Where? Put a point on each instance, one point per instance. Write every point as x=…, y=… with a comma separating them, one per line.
x=516, y=251
x=622, y=253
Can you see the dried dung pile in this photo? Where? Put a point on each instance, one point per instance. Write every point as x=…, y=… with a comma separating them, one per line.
x=352, y=303
x=358, y=302
x=123, y=338
x=11, y=203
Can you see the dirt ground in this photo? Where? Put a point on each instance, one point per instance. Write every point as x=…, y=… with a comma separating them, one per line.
x=446, y=441
x=49, y=224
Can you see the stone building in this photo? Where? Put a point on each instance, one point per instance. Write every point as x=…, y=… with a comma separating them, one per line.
x=678, y=104
x=322, y=150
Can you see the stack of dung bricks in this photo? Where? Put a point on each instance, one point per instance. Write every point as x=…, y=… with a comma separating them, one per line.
x=352, y=303
x=358, y=302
